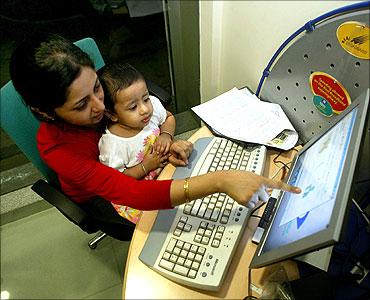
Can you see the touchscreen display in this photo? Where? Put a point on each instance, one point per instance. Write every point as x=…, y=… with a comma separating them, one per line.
x=317, y=171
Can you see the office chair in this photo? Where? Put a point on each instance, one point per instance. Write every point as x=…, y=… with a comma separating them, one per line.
x=21, y=125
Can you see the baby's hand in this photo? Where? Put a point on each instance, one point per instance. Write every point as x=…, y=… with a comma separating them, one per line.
x=162, y=144
x=154, y=160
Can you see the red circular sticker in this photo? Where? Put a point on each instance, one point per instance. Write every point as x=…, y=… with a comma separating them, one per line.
x=331, y=90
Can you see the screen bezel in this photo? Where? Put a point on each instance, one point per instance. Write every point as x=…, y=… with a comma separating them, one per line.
x=331, y=234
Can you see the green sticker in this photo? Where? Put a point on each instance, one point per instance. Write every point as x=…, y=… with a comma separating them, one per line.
x=323, y=106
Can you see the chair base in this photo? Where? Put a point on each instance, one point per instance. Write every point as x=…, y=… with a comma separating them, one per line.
x=93, y=243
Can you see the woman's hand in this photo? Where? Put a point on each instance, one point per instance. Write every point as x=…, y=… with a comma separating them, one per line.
x=247, y=188
x=180, y=152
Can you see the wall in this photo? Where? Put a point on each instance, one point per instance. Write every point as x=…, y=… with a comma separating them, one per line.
x=238, y=38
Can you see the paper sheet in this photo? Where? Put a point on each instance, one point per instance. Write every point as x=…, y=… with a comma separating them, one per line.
x=239, y=115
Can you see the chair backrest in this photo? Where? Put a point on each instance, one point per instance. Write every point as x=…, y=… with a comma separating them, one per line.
x=21, y=125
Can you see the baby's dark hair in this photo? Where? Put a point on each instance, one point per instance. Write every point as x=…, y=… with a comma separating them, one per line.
x=42, y=69
x=115, y=77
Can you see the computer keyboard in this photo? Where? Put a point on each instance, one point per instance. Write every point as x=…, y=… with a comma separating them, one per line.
x=193, y=244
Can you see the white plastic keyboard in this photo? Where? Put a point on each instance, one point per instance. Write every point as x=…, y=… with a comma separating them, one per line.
x=194, y=243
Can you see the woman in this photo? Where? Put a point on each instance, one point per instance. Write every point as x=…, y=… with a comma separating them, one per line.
x=59, y=83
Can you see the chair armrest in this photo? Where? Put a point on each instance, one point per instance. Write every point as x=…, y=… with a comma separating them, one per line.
x=66, y=206
x=159, y=92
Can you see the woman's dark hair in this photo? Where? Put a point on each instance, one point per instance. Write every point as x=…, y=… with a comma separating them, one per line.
x=115, y=77
x=42, y=69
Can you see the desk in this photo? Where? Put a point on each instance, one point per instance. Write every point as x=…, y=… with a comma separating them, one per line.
x=141, y=282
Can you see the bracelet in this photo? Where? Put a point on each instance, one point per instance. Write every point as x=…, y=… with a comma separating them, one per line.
x=186, y=190
x=168, y=134
x=142, y=166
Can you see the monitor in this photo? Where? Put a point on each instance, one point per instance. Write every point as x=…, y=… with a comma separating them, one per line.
x=324, y=169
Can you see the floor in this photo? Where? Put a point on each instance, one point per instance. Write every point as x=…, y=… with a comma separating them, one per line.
x=44, y=256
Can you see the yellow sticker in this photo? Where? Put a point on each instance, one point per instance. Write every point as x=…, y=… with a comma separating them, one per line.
x=354, y=38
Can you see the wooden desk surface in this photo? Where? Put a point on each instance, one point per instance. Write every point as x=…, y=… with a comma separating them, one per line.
x=141, y=282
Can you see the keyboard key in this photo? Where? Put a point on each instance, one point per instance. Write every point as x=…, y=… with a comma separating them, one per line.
x=187, y=228
x=180, y=261
x=195, y=265
x=224, y=220
x=181, y=270
x=166, y=264
x=215, y=243
x=176, y=251
x=166, y=255
x=191, y=256
x=220, y=228
x=177, y=232
x=188, y=263
x=205, y=240
x=184, y=253
x=198, y=238
x=201, y=250
x=186, y=247
x=192, y=274
x=171, y=245
x=218, y=236
x=173, y=258
x=198, y=257
x=208, y=233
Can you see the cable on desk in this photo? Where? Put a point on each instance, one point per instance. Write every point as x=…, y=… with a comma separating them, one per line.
x=277, y=172
x=259, y=217
x=285, y=165
x=279, y=161
x=257, y=207
x=249, y=295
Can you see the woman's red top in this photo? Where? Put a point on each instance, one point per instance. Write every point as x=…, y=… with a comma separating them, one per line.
x=72, y=152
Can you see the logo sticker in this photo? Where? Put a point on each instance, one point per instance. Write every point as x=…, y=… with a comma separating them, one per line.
x=330, y=95
x=323, y=106
x=354, y=38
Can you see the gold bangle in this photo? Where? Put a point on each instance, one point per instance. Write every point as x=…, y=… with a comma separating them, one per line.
x=162, y=131
x=186, y=190
x=142, y=166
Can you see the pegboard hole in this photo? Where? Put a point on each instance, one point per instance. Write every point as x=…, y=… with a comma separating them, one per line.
x=297, y=84
x=278, y=88
x=311, y=72
x=304, y=98
x=311, y=111
x=328, y=46
x=286, y=98
x=303, y=121
x=312, y=133
x=356, y=85
x=294, y=109
x=320, y=126
x=357, y=64
x=332, y=66
x=290, y=71
x=305, y=56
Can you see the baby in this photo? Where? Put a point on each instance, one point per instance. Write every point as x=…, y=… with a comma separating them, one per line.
x=140, y=130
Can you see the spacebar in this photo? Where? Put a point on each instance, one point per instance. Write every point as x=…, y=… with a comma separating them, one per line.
x=203, y=166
